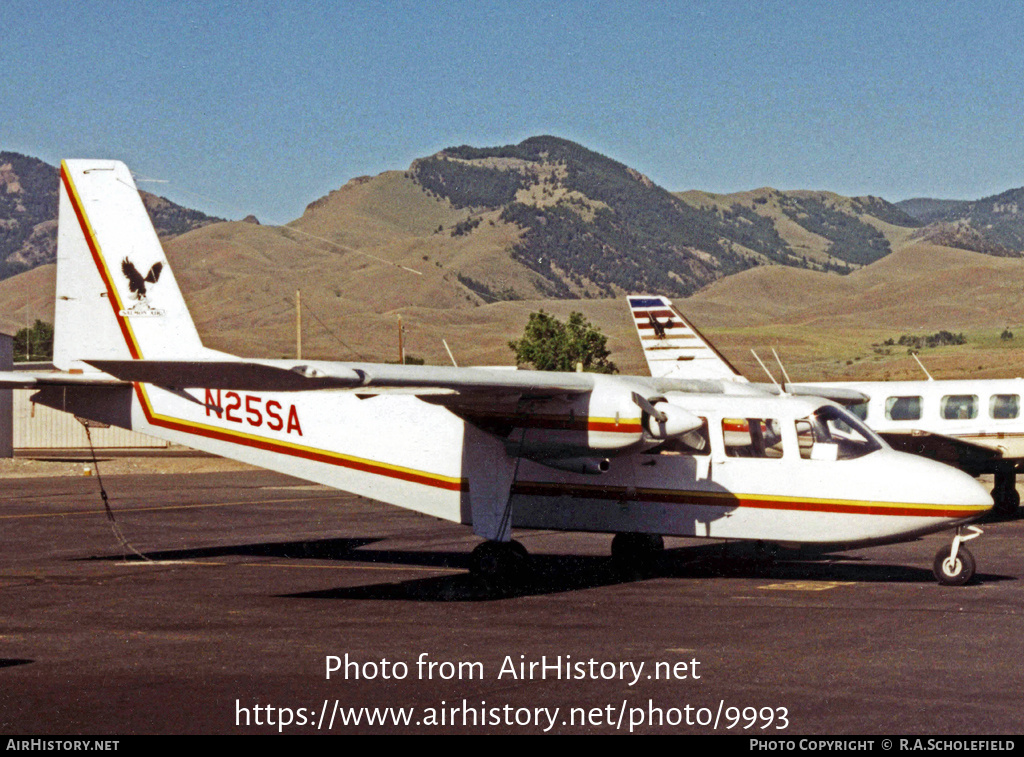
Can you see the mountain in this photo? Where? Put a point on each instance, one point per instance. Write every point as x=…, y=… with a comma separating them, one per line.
x=434, y=245
x=591, y=226
x=545, y=218
x=28, y=213
x=993, y=225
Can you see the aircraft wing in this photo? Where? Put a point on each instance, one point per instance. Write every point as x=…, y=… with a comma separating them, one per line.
x=364, y=378
x=968, y=456
x=839, y=394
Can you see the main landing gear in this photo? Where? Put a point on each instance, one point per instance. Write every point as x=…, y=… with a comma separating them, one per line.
x=1005, y=493
x=636, y=550
x=499, y=560
x=954, y=565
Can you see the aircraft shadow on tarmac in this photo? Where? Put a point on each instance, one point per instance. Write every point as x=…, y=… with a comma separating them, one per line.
x=552, y=574
x=10, y=662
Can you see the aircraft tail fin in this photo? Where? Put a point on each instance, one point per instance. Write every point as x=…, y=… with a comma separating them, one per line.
x=117, y=298
x=672, y=346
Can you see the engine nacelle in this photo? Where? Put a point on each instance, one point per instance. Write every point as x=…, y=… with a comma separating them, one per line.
x=613, y=419
x=604, y=422
x=671, y=421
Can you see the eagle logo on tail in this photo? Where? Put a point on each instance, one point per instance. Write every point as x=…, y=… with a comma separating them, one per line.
x=137, y=285
x=659, y=327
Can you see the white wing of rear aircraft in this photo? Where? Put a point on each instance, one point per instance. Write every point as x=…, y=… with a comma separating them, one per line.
x=636, y=456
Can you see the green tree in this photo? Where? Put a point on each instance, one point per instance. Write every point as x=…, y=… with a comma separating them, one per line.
x=35, y=343
x=548, y=344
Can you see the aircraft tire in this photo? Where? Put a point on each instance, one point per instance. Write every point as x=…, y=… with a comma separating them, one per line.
x=632, y=549
x=957, y=573
x=498, y=560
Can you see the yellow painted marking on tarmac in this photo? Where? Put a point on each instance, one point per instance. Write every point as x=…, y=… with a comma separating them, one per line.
x=160, y=508
x=356, y=567
x=344, y=566
x=164, y=563
x=807, y=585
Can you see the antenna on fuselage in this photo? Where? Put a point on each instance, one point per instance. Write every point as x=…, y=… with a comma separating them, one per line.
x=914, y=355
x=450, y=355
x=765, y=369
x=782, y=367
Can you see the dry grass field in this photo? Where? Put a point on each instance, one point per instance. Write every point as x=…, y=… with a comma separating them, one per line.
x=371, y=251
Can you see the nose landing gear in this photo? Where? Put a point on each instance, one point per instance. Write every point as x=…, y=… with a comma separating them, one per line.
x=954, y=565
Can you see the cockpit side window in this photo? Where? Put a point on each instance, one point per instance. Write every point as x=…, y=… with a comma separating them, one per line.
x=903, y=409
x=752, y=437
x=860, y=409
x=833, y=434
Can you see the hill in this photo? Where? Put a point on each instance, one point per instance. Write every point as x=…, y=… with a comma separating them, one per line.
x=543, y=219
x=993, y=225
x=412, y=244
x=28, y=213
x=590, y=225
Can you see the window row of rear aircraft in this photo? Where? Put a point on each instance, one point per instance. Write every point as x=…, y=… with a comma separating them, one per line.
x=950, y=407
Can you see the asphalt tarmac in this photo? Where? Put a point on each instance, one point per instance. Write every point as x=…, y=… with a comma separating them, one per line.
x=233, y=594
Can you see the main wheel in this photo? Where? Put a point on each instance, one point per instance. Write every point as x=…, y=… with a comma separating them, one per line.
x=496, y=559
x=632, y=549
x=1007, y=500
x=953, y=572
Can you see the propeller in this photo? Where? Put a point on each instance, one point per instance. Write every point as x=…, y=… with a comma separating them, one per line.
x=671, y=420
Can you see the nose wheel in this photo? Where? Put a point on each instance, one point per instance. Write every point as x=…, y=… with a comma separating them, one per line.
x=954, y=565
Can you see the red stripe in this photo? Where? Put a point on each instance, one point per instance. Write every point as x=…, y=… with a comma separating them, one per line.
x=642, y=314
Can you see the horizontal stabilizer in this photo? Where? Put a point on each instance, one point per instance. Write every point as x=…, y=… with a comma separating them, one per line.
x=34, y=380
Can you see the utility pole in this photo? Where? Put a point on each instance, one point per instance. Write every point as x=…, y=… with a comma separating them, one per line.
x=401, y=342
x=298, y=324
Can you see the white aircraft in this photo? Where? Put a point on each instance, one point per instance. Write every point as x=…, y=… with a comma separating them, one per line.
x=635, y=456
x=973, y=424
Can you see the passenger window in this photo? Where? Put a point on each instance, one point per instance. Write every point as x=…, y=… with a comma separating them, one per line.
x=959, y=407
x=694, y=442
x=1004, y=406
x=903, y=409
x=752, y=437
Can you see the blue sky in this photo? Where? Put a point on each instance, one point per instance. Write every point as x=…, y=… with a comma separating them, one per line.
x=262, y=107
